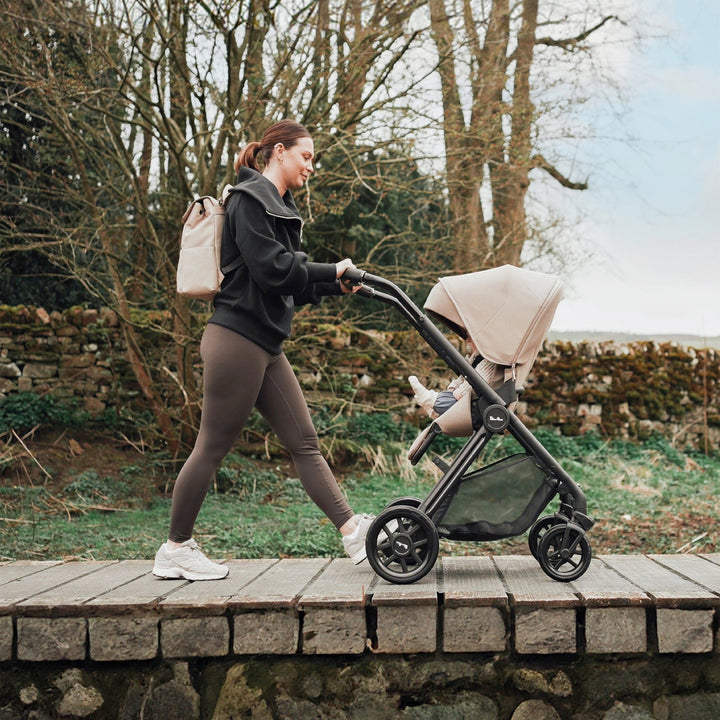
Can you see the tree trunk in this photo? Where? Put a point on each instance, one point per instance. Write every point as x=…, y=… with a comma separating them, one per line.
x=511, y=179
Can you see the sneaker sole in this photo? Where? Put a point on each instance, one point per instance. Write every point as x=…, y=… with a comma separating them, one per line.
x=180, y=574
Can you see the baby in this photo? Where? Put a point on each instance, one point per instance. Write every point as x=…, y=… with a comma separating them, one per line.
x=436, y=403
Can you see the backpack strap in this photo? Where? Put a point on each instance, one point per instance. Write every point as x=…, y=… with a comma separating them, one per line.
x=238, y=261
x=226, y=193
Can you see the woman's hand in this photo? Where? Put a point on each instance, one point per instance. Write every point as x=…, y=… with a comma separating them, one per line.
x=341, y=267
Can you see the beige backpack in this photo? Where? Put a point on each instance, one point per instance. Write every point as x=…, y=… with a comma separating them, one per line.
x=199, y=273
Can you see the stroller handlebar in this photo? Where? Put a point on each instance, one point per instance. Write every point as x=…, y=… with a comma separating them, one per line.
x=383, y=290
x=354, y=275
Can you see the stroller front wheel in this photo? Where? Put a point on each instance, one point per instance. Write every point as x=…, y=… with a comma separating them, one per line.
x=564, y=552
x=402, y=544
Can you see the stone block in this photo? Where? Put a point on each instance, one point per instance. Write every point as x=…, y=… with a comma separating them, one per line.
x=50, y=639
x=545, y=632
x=272, y=632
x=615, y=630
x=78, y=361
x=334, y=631
x=39, y=371
x=9, y=370
x=473, y=629
x=195, y=637
x=684, y=631
x=123, y=638
x=6, y=638
x=406, y=629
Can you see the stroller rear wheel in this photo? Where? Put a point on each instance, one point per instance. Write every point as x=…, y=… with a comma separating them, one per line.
x=538, y=531
x=402, y=544
x=564, y=552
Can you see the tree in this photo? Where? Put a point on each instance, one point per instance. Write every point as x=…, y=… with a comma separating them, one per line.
x=129, y=96
x=491, y=122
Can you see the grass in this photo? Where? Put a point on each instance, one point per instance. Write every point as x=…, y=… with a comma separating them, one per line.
x=645, y=498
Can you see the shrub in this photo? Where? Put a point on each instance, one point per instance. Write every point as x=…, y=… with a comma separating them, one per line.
x=377, y=429
x=24, y=411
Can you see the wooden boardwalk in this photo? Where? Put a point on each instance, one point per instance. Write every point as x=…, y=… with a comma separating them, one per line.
x=119, y=611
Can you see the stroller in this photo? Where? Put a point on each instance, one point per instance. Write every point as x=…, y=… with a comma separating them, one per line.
x=506, y=312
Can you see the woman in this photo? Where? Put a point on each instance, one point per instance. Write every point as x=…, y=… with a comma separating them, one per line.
x=241, y=348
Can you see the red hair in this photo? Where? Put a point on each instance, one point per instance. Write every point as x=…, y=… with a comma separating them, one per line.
x=285, y=132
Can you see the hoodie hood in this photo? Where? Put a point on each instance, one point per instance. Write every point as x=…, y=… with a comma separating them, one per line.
x=261, y=189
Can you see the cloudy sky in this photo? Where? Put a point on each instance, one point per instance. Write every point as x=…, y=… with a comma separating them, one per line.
x=652, y=215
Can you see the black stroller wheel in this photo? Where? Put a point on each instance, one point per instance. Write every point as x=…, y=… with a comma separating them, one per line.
x=538, y=531
x=564, y=552
x=408, y=501
x=402, y=544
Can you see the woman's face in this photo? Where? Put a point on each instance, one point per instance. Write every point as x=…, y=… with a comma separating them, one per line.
x=296, y=162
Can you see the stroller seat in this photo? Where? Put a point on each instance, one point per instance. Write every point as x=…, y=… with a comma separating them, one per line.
x=506, y=312
x=460, y=420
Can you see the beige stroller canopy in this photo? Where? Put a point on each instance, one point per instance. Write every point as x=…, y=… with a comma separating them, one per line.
x=506, y=312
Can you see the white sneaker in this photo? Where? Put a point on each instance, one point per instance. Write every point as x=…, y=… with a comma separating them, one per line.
x=188, y=562
x=355, y=542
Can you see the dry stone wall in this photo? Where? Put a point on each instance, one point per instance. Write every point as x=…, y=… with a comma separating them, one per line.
x=620, y=390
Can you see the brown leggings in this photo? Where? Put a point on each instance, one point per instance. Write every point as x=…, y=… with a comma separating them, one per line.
x=240, y=375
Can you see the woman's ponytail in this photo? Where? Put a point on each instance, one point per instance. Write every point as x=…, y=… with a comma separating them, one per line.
x=247, y=156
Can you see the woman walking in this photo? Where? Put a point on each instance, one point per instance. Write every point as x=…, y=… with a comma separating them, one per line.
x=241, y=348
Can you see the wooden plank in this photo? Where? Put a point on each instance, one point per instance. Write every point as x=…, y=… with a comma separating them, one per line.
x=526, y=583
x=472, y=581
x=694, y=568
x=280, y=586
x=54, y=576
x=711, y=557
x=341, y=584
x=144, y=593
x=214, y=596
x=22, y=568
x=666, y=588
x=602, y=586
x=421, y=592
x=70, y=598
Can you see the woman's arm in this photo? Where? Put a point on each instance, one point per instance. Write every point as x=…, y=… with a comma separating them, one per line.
x=276, y=269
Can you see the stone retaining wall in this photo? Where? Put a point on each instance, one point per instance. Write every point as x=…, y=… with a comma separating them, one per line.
x=635, y=638
x=630, y=390
x=368, y=687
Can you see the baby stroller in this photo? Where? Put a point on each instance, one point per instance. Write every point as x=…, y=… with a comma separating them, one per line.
x=506, y=311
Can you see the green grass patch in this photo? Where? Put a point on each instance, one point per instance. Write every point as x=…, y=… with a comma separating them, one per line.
x=646, y=497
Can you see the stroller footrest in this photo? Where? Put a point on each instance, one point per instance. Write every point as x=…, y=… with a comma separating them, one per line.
x=422, y=443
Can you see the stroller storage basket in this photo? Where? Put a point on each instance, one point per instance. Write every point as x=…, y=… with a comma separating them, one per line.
x=498, y=501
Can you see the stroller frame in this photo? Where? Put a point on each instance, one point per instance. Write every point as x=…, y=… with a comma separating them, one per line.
x=403, y=542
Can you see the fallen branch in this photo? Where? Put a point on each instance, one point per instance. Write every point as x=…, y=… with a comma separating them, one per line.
x=27, y=450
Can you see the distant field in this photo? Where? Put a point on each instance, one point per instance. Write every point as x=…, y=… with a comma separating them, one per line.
x=693, y=341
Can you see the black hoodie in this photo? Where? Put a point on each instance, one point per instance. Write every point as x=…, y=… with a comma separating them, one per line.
x=263, y=231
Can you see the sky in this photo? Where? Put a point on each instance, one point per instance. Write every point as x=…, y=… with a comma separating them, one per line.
x=651, y=227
